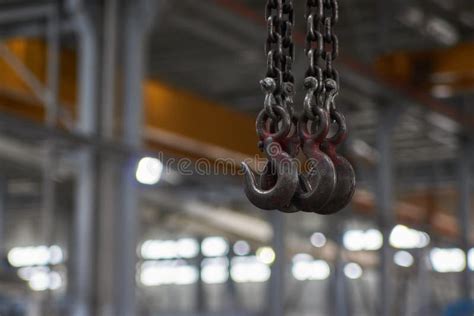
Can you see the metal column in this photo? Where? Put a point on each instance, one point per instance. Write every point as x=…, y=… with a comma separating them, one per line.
x=138, y=20
x=3, y=204
x=52, y=116
x=388, y=116
x=424, y=284
x=341, y=301
x=85, y=205
x=49, y=168
x=276, y=285
x=109, y=166
x=464, y=183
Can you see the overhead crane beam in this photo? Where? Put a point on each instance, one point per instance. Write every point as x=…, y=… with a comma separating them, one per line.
x=441, y=71
x=163, y=104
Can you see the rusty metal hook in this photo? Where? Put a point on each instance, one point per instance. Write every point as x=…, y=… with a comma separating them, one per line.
x=281, y=165
x=345, y=175
x=290, y=145
x=318, y=183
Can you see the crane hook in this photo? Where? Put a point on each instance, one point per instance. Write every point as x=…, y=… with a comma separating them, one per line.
x=345, y=175
x=291, y=145
x=318, y=183
x=281, y=165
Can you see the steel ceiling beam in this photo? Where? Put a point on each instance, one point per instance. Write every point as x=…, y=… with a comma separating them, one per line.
x=25, y=13
x=450, y=68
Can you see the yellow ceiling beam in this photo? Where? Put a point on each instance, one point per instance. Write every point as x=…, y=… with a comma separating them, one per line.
x=447, y=71
x=165, y=108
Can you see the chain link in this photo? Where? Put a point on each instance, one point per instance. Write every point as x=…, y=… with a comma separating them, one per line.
x=322, y=44
x=279, y=50
x=322, y=48
x=331, y=41
x=314, y=38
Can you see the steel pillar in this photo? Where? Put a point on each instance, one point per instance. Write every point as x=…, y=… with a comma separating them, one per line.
x=464, y=187
x=109, y=167
x=110, y=64
x=341, y=306
x=340, y=299
x=137, y=22
x=201, y=297
x=106, y=245
x=49, y=168
x=424, y=284
x=85, y=196
x=3, y=200
x=388, y=117
x=276, y=285
x=89, y=57
x=52, y=115
x=53, y=55
x=84, y=232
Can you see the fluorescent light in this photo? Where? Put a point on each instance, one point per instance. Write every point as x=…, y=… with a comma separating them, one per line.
x=403, y=259
x=353, y=240
x=448, y=260
x=357, y=240
x=241, y=248
x=35, y=256
x=304, y=270
x=153, y=274
x=170, y=249
x=353, y=271
x=167, y=273
x=403, y=237
x=185, y=275
x=249, y=269
x=55, y=255
x=43, y=279
x=159, y=249
x=187, y=248
x=215, y=270
x=25, y=273
x=149, y=170
x=28, y=256
x=318, y=240
x=302, y=257
x=266, y=255
x=55, y=281
x=39, y=281
x=373, y=239
x=214, y=247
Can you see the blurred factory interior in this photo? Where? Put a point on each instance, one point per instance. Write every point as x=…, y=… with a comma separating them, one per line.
x=123, y=124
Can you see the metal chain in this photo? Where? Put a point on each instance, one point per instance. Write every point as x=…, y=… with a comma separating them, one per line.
x=314, y=38
x=331, y=41
x=279, y=49
x=282, y=134
x=322, y=48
